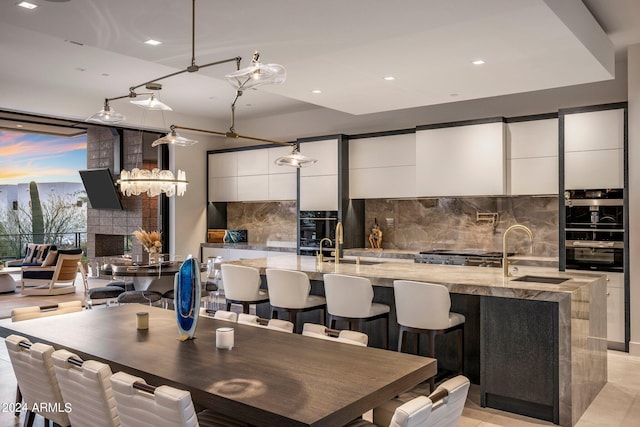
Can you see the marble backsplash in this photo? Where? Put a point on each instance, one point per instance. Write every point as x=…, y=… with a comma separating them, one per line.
x=451, y=223
x=422, y=224
x=264, y=221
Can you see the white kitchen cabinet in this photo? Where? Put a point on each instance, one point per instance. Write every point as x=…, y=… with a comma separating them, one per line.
x=594, y=149
x=533, y=157
x=245, y=176
x=223, y=164
x=461, y=161
x=283, y=186
x=615, y=307
x=223, y=189
x=326, y=154
x=319, y=193
x=594, y=130
x=253, y=162
x=378, y=183
x=538, y=175
x=594, y=169
x=319, y=183
x=382, y=167
x=253, y=188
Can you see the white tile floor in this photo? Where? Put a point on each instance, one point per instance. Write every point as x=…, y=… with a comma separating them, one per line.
x=617, y=405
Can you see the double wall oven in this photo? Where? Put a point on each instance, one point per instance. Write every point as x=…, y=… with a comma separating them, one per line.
x=594, y=230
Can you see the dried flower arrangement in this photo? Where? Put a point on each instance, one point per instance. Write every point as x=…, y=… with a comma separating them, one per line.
x=151, y=241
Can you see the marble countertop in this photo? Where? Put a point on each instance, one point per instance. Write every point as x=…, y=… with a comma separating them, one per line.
x=269, y=246
x=458, y=279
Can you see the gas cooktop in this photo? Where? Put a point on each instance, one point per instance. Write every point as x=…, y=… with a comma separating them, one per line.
x=464, y=252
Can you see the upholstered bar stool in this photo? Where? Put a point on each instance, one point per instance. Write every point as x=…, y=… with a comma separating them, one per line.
x=350, y=299
x=242, y=286
x=423, y=308
x=289, y=292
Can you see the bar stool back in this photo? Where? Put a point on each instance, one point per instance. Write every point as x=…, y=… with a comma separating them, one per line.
x=350, y=299
x=289, y=292
x=242, y=286
x=423, y=308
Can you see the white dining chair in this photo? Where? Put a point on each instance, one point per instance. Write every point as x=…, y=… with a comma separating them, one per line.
x=274, y=324
x=36, y=379
x=423, y=308
x=85, y=386
x=142, y=405
x=442, y=408
x=242, y=286
x=345, y=336
x=227, y=316
x=350, y=299
x=289, y=292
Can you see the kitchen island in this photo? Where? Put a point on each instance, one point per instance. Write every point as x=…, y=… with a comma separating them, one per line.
x=540, y=348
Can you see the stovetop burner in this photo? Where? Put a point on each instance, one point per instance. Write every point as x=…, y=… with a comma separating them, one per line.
x=470, y=257
x=465, y=252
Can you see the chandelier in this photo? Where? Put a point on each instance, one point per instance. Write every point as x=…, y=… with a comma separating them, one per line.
x=153, y=182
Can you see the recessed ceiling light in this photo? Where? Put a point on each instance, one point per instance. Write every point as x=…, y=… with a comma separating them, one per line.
x=316, y=91
x=27, y=5
x=389, y=78
x=153, y=42
x=19, y=126
x=478, y=62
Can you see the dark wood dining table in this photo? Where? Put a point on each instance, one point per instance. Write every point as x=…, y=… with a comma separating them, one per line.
x=269, y=378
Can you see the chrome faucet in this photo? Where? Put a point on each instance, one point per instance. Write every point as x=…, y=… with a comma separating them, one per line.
x=505, y=258
x=320, y=256
x=339, y=240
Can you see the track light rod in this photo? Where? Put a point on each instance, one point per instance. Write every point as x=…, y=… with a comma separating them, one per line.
x=288, y=144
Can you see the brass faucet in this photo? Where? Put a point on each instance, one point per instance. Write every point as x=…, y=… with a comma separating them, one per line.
x=320, y=256
x=339, y=241
x=505, y=258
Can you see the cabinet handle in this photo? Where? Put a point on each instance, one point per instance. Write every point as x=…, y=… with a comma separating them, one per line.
x=608, y=294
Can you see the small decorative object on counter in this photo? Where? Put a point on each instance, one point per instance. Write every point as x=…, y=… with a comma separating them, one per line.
x=187, y=294
x=142, y=320
x=375, y=238
x=151, y=241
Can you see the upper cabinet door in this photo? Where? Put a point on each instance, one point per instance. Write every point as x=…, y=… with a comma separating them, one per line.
x=223, y=164
x=594, y=130
x=326, y=154
x=253, y=162
x=461, y=161
x=594, y=149
x=382, y=167
x=319, y=183
x=533, y=157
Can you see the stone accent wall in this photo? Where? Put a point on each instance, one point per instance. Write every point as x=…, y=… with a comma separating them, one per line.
x=109, y=232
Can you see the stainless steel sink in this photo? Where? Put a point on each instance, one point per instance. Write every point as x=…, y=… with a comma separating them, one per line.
x=540, y=279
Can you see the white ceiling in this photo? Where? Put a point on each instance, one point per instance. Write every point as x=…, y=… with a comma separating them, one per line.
x=64, y=57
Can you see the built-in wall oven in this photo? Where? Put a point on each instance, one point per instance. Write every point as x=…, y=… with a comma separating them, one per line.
x=315, y=226
x=594, y=230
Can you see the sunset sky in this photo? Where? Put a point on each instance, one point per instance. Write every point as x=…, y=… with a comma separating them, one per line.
x=26, y=157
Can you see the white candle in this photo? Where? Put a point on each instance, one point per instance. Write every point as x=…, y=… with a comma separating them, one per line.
x=224, y=338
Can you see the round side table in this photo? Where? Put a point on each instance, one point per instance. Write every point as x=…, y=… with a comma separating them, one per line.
x=7, y=284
